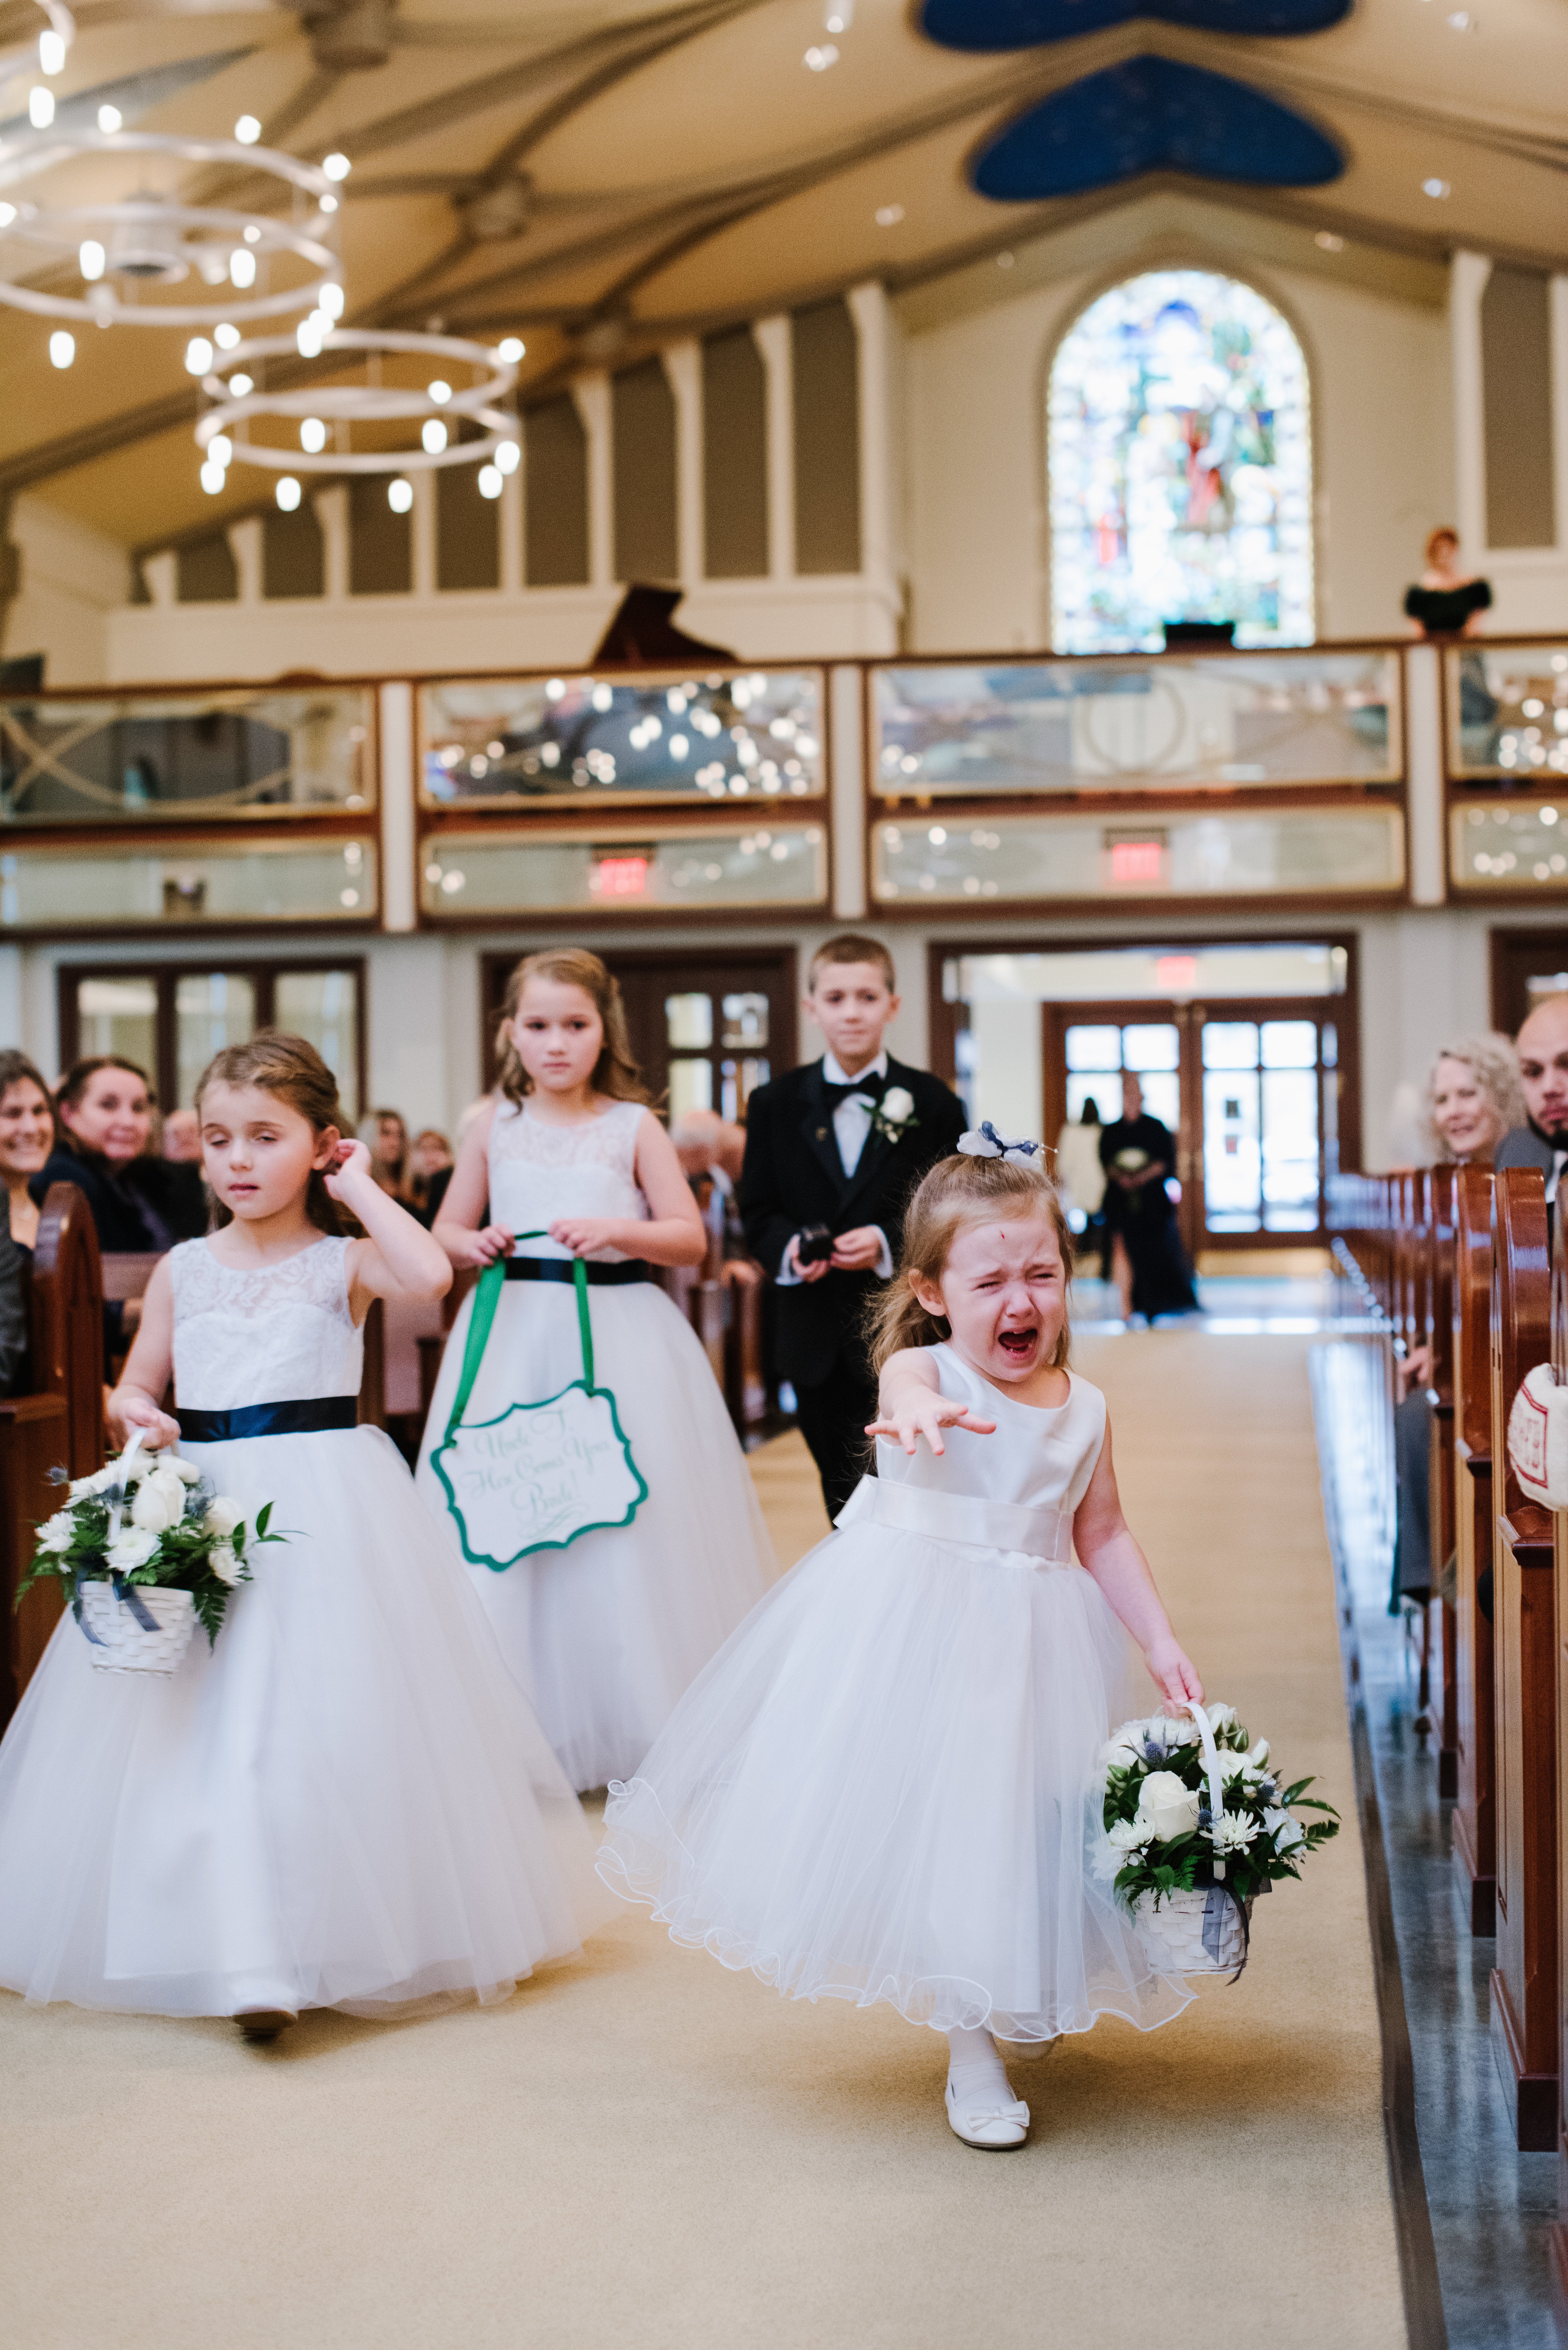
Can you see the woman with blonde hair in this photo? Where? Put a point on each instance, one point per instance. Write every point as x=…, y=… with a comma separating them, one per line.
x=604, y=1619
x=1473, y=1097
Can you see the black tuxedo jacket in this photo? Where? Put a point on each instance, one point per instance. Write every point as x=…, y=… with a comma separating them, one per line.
x=793, y=1177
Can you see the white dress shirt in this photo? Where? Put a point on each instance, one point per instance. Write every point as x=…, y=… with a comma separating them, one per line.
x=851, y=1131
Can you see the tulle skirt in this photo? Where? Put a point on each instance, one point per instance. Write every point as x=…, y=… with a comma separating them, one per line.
x=605, y=1636
x=344, y=1803
x=883, y=1789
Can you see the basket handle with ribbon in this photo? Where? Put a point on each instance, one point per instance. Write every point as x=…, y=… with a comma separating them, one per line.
x=1219, y=1891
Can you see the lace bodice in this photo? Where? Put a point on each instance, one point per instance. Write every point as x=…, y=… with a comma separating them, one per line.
x=539, y=1172
x=277, y=1334
x=1043, y=1460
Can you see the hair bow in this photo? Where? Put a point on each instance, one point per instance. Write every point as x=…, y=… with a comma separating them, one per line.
x=984, y=1143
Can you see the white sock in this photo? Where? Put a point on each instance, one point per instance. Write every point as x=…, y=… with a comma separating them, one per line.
x=974, y=2065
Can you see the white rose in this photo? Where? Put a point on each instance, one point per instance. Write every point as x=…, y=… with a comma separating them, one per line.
x=1220, y=1717
x=98, y=1482
x=1233, y=1832
x=223, y=1563
x=159, y=1502
x=1235, y=1766
x=131, y=1548
x=897, y=1104
x=1257, y=1752
x=1131, y=1836
x=1126, y=1747
x=56, y=1534
x=1168, y=1806
x=1286, y=1828
x=223, y=1516
x=186, y=1471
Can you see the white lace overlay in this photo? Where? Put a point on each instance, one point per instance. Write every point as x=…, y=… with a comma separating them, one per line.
x=540, y=1173
x=274, y=1336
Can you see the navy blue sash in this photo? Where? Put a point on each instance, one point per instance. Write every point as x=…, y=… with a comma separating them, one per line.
x=307, y=1417
x=563, y=1268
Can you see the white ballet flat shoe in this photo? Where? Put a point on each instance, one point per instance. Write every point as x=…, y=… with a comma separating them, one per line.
x=993, y=2123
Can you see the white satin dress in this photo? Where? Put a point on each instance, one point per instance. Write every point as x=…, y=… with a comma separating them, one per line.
x=605, y=1636
x=342, y=1803
x=885, y=1787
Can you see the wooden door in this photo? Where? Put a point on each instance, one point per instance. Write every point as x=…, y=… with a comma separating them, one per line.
x=1088, y=1047
x=1525, y=966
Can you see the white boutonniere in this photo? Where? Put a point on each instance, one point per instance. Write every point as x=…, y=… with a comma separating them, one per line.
x=894, y=1114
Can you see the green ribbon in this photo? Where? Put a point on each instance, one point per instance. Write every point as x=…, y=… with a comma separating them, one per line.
x=486, y=1297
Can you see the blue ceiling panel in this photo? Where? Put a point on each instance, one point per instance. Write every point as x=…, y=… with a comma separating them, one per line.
x=1152, y=114
x=1026, y=24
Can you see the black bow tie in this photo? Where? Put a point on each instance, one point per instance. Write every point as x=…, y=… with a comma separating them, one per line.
x=870, y=1084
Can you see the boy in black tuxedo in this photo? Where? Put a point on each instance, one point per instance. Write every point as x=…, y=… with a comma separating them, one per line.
x=841, y=1143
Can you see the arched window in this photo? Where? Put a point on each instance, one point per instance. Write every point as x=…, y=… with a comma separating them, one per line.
x=1178, y=455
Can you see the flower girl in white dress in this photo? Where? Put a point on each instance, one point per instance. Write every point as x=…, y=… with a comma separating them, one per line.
x=884, y=1789
x=605, y=1632
x=342, y=1803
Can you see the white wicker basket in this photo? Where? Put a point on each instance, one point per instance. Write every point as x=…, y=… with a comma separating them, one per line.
x=1172, y=1933
x=119, y=1644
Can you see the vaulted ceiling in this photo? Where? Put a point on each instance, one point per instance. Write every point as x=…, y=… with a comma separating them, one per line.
x=601, y=177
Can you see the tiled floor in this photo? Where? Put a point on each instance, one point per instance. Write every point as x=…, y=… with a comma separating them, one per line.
x=1490, y=2206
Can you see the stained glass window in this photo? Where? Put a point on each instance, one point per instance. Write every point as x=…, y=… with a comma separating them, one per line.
x=1179, y=462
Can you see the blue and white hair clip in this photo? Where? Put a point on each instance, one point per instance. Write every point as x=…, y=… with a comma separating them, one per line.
x=984, y=1143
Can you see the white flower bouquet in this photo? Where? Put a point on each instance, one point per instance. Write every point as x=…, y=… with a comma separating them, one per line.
x=1194, y=1809
x=143, y=1526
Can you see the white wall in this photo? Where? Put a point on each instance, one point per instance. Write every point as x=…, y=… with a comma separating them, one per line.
x=72, y=579
x=977, y=347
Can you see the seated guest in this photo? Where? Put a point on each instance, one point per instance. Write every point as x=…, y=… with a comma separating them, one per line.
x=26, y=1138
x=1541, y=1139
x=429, y=1159
x=137, y=1202
x=1473, y=1097
x=1445, y=602
x=13, y=1314
x=386, y=1137
x=181, y=1138
x=711, y=1151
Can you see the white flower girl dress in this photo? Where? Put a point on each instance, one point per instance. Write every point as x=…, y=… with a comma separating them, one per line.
x=607, y=1634
x=342, y=1803
x=884, y=1788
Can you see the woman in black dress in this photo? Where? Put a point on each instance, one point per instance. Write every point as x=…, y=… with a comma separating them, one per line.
x=1148, y=1263
x=1445, y=602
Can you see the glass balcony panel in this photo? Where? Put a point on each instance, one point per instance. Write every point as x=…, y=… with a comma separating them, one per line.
x=168, y=889
x=730, y=735
x=104, y=759
x=1259, y=853
x=1508, y=711
x=1509, y=844
x=542, y=871
x=1163, y=724
x=323, y=1006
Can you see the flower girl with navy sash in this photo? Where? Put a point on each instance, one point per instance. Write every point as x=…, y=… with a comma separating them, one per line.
x=343, y=1802
x=885, y=1787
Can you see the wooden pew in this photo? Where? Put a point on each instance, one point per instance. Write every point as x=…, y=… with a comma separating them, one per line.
x=1524, y=1987
x=1475, y=1810
x=1441, y=1183
x=1559, y=2234
x=58, y=1424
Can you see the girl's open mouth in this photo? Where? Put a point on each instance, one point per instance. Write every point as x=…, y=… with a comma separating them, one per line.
x=1018, y=1344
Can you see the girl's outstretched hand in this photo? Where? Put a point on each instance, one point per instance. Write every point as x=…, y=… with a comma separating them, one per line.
x=1173, y=1672
x=925, y=1413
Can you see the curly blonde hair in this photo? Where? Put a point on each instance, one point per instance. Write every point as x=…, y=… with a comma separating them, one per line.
x=1494, y=1064
x=615, y=1073
x=957, y=1192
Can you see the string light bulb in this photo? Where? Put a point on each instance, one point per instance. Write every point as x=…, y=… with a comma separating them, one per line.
x=40, y=107
x=287, y=494
x=110, y=120
x=91, y=258
x=312, y=436
x=62, y=348
x=247, y=130
x=51, y=52
x=400, y=495
x=432, y=435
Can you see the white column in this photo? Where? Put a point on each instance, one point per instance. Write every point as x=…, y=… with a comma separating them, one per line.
x=869, y=310
x=775, y=342
x=592, y=394
x=512, y=528
x=423, y=531
x=1560, y=404
x=1424, y=773
x=683, y=365
x=399, y=897
x=246, y=545
x=11, y=999
x=332, y=514
x=162, y=573
x=1468, y=275
x=846, y=749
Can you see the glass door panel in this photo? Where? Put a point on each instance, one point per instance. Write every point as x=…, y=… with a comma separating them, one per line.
x=1265, y=1083
x=1231, y=1159
x=120, y=1016
x=211, y=1011
x=324, y=1007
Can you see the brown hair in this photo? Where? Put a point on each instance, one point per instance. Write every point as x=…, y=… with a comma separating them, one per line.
x=616, y=1074
x=1435, y=537
x=850, y=947
x=292, y=1068
x=960, y=1190
x=16, y=1069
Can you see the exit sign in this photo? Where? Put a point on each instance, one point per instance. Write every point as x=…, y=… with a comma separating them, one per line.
x=1136, y=863
x=620, y=876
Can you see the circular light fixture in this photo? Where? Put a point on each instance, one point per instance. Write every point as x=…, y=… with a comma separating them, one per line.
x=287, y=494
x=149, y=241
x=348, y=404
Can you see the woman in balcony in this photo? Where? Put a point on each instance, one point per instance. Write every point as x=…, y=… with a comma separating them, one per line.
x=1446, y=601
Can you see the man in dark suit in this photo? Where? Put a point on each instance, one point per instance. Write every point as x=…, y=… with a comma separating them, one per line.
x=1543, y=1047
x=843, y=1143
